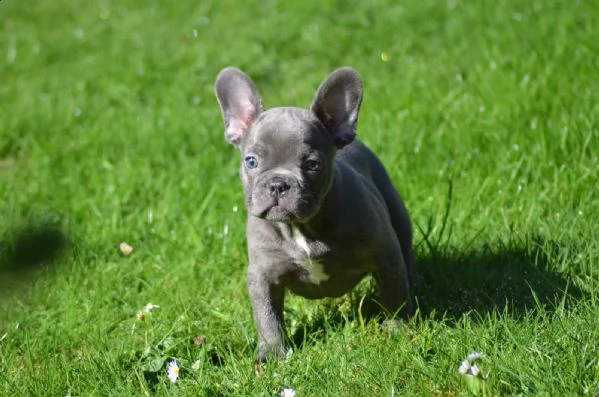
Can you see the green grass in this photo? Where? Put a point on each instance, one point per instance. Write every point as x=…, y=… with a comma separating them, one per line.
x=485, y=113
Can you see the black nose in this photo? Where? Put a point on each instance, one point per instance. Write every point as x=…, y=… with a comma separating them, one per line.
x=278, y=187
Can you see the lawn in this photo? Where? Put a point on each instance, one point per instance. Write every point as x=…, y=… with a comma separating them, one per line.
x=486, y=115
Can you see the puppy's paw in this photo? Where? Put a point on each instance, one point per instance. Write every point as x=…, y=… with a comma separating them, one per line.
x=271, y=353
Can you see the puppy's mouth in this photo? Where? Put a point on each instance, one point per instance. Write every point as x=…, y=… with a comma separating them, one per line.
x=278, y=213
x=281, y=210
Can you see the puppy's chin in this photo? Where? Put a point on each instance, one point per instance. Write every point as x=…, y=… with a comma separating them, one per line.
x=280, y=213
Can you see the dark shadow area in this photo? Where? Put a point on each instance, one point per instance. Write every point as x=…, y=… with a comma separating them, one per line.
x=315, y=329
x=504, y=276
x=512, y=276
x=363, y=306
x=25, y=251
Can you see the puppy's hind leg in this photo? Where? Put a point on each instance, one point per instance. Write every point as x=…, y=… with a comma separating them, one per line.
x=394, y=286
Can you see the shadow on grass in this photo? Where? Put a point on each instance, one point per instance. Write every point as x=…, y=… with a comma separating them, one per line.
x=507, y=277
x=516, y=276
x=26, y=251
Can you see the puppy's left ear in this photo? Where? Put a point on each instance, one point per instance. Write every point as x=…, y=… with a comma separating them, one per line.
x=239, y=102
x=337, y=104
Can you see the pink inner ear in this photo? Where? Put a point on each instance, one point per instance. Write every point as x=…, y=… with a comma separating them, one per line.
x=249, y=117
x=245, y=114
x=240, y=121
x=237, y=126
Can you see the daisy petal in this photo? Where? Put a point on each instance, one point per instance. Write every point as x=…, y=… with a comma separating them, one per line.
x=173, y=371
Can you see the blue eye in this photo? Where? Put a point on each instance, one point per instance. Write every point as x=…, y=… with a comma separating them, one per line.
x=312, y=165
x=251, y=162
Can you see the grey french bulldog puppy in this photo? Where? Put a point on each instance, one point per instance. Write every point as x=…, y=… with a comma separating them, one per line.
x=322, y=211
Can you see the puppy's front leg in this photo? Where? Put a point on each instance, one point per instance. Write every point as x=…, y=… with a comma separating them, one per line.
x=267, y=304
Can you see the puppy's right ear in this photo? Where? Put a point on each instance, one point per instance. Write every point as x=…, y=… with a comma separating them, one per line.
x=239, y=102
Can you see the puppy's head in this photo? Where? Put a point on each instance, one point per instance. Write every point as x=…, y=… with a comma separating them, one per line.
x=288, y=153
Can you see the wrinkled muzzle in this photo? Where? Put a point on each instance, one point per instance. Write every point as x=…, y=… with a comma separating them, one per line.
x=281, y=198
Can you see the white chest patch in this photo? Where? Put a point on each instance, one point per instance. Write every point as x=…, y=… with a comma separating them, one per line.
x=313, y=267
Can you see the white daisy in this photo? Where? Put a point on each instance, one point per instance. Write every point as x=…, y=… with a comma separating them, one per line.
x=287, y=392
x=468, y=368
x=464, y=367
x=173, y=371
x=125, y=248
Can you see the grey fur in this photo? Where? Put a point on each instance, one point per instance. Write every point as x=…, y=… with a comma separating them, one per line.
x=322, y=211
